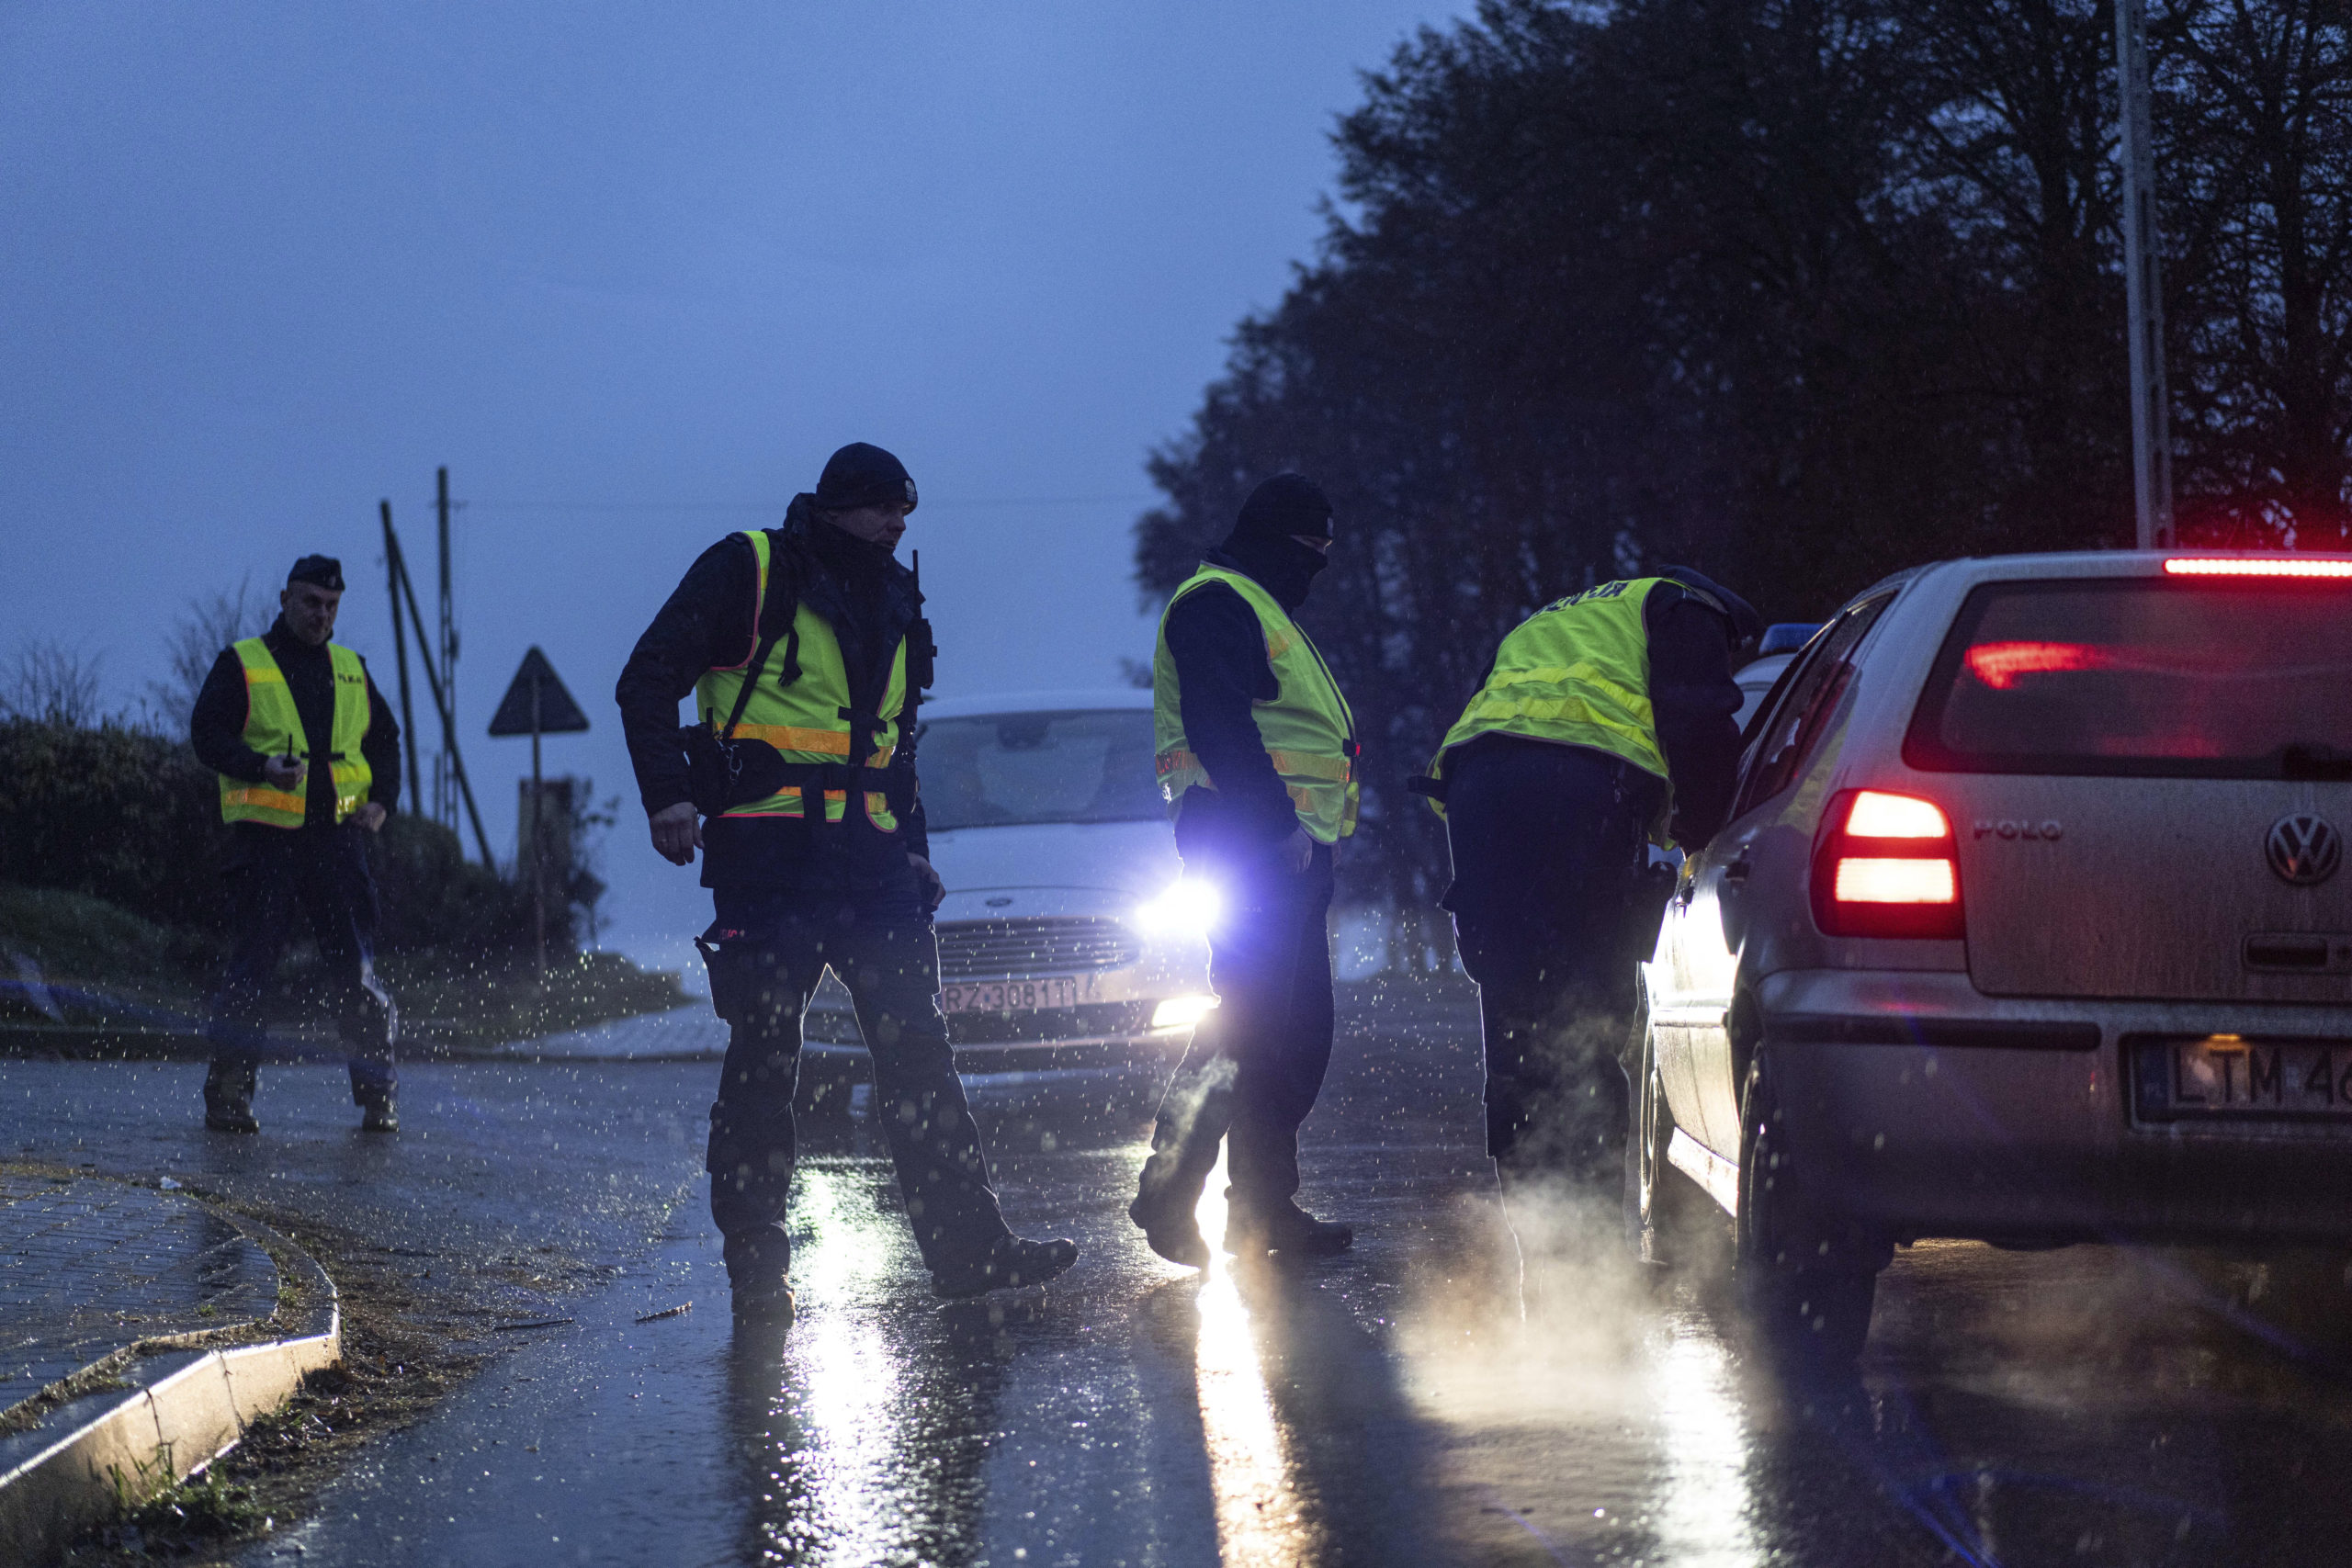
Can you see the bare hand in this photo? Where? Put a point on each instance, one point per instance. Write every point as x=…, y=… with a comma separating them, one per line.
x=676, y=834
x=1295, y=852
x=370, y=816
x=284, y=773
x=934, y=889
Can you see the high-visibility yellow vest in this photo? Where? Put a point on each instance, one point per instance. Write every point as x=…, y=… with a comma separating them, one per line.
x=1308, y=728
x=803, y=721
x=274, y=728
x=1576, y=671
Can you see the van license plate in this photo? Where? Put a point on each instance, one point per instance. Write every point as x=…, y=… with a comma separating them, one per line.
x=1020, y=996
x=2259, y=1080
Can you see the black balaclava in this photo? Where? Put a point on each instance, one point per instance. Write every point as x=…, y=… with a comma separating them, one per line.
x=858, y=475
x=1261, y=545
x=1747, y=625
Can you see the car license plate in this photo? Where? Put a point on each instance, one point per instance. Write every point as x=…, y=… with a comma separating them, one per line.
x=2242, y=1079
x=1011, y=996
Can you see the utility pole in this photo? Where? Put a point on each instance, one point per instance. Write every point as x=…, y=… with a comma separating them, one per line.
x=394, y=571
x=2151, y=409
x=538, y=832
x=445, y=796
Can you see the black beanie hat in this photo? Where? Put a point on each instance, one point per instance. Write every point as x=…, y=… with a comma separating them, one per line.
x=1284, y=505
x=322, y=571
x=862, y=475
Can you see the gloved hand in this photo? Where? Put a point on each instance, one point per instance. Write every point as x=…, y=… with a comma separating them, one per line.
x=934, y=890
x=1296, y=853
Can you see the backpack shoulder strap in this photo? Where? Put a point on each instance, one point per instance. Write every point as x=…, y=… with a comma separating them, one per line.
x=778, y=609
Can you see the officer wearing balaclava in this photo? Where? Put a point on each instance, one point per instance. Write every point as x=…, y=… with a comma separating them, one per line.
x=1604, y=723
x=806, y=652
x=1255, y=755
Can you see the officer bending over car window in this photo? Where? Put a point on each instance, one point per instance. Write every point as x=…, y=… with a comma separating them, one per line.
x=805, y=651
x=1604, y=720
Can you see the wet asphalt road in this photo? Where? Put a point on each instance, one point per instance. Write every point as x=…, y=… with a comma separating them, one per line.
x=1391, y=1407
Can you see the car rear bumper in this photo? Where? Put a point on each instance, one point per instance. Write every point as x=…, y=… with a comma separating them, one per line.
x=1920, y=1107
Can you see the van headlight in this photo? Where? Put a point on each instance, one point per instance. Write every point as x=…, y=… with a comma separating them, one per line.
x=1187, y=908
x=1181, y=1012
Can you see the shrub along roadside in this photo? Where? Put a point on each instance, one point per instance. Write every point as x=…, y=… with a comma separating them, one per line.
x=113, y=877
x=130, y=816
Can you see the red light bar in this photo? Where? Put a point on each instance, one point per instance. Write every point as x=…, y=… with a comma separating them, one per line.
x=2189, y=567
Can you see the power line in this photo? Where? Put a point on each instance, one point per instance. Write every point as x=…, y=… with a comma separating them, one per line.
x=952, y=505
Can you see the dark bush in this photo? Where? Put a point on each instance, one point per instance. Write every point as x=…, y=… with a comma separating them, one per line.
x=114, y=812
x=132, y=818
x=429, y=894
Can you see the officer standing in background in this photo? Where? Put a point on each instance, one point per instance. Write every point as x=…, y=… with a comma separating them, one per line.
x=1605, y=719
x=309, y=757
x=806, y=655
x=1257, y=759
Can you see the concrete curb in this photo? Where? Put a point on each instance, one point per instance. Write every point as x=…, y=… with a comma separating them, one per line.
x=187, y=1405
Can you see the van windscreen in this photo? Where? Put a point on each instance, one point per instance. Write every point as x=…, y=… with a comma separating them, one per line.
x=2143, y=676
x=999, y=769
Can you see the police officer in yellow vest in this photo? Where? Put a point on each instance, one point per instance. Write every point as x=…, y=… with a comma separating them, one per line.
x=1257, y=753
x=806, y=654
x=309, y=759
x=1604, y=723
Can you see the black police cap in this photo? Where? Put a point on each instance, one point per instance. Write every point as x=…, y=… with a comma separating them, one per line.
x=324, y=572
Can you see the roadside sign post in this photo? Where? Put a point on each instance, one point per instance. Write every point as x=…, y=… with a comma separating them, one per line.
x=2142, y=283
x=537, y=704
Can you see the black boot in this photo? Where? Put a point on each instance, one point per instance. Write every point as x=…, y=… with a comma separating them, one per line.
x=1284, y=1227
x=379, y=1107
x=759, y=1270
x=1169, y=1229
x=1012, y=1262
x=1184, y=1138
x=229, y=1098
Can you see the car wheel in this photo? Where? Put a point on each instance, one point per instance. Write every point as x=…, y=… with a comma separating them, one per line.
x=1665, y=1210
x=1807, y=1291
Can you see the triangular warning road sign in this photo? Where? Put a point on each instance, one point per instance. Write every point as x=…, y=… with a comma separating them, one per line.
x=559, y=715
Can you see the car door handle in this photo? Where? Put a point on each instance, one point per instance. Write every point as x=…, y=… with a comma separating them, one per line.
x=1736, y=870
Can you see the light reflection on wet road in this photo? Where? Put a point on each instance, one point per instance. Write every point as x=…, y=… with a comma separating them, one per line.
x=1390, y=1406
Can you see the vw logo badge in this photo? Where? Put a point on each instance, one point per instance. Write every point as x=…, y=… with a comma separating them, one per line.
x=2304, y=850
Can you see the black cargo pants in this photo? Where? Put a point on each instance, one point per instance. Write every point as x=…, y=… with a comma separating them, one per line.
x=1256, y=1063
x=1549, y=884
x=766, y=956
x=321, y=873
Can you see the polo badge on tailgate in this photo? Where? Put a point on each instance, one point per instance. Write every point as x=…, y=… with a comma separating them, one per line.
x=2304, y=849
x=1986, y=827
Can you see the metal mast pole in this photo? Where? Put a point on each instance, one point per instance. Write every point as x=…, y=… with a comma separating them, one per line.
x=445, y=793
x=2151, y=420
x=539, y=837
x=395, y=570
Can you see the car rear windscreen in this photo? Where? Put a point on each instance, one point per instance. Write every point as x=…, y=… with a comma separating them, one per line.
x=1000, y=770
x=2144, y=676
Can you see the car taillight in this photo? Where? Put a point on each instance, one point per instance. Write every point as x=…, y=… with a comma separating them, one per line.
x=1886, y=866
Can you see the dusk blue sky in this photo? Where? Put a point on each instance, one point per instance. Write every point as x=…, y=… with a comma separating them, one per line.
x=631, y=272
